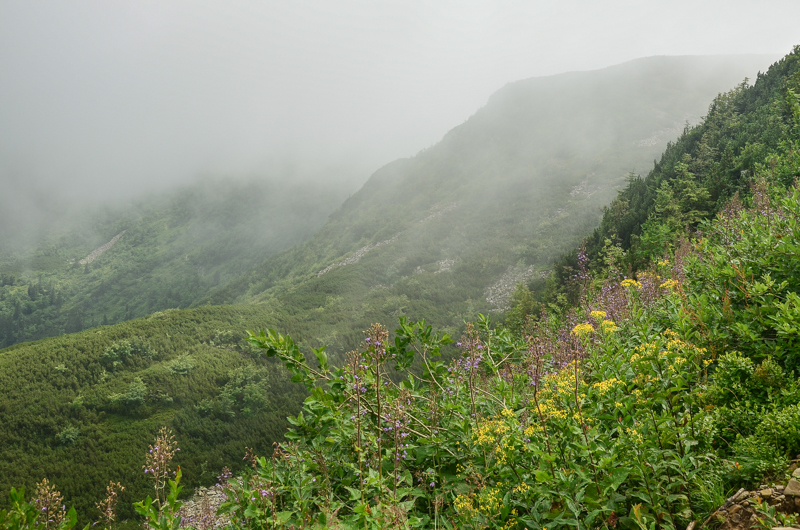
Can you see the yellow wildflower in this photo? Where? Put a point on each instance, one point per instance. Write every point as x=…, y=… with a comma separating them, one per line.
x=634, y=434
x=598, y=315
x=604, y=386
x=522, y=488
x=669, y=284
x=582, y=329
x=628, y=283
x=463, y=505
x=609, y=326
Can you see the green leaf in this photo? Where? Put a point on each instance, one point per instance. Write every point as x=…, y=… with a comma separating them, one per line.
x=322, y=357
x=354, y=493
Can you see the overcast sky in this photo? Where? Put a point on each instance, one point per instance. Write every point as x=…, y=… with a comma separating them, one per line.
x=115, y=97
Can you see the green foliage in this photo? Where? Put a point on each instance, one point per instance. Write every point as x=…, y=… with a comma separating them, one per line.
x=495, y=438
x=126, y=353
x=135, y=396
x=45, y=512
x=770, y=517
x=68, y=435
x=643, y=420
x=166, y=516
x=747, y=265
x=523, y=306
x=90, y=423
x=182, y=365
x=746, y=130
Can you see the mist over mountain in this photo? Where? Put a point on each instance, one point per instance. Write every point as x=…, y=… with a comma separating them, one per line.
x=67, y=268
x=450, y=232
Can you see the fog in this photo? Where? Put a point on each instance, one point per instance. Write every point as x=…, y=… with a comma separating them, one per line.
x=103, y=100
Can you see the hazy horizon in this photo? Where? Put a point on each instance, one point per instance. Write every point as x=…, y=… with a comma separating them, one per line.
x=112, y=100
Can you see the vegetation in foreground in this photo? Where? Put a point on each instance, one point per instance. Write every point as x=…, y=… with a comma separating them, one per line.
x=642, y=408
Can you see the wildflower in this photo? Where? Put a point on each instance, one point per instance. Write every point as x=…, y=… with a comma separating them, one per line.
x=634, y=434
x=669, y=284
x=628, y=283
x=609, y=326
x=582, y=329
x=604, y=386
x=598, y=315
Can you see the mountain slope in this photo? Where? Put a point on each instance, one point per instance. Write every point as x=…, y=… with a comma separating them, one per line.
x=117, y=263
x=449, y=232
x=82, y=408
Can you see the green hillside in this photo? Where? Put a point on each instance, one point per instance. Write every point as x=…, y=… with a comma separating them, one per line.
x=746, y=132
x=430, y=237
x=450, y=232
x=82, y=408
x=167, y=251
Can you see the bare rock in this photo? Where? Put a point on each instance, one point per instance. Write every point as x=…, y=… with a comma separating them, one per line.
x=792, y=488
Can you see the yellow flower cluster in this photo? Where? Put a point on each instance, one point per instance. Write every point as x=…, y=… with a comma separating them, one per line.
x=604, y=386
x=490, y=500
x=628, y=283
x=492, y=435
x=563, y=381
x=582, y=329
x=551, y=410
x=490, y=432
x=522, y=489
x=464, y=506
x=609, y=326
x=598, y=315
x=531, y=430
x=663, y=263
x=669, y=284
x=635, y=435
